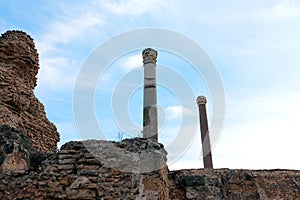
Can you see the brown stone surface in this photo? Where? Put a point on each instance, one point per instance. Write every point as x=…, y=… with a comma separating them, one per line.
x=16, y=152
x=234, y=184
x=19, y=107
x=74, y=173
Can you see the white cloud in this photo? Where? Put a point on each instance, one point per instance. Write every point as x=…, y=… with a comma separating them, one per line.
x=262, y=128
x=191, y=156
x=176, y=112
x=283, y=10
x=262, y=13
x=261, y=132
x=58, y=64
x=137, y=7
x=132, y=62
x=193, y=163
x=56, y=72
x=72, y=26
x=265, y=144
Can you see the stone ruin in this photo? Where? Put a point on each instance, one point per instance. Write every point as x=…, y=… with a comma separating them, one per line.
x=30, y=168
x=76, y=173
x=19, y=108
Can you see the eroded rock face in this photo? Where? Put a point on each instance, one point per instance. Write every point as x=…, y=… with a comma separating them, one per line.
x=75, y=173
x=19, y=107
x=16, y=152
x=233, y=184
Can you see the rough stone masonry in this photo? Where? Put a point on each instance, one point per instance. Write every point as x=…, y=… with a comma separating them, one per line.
x=76, y=173
x=19, y=107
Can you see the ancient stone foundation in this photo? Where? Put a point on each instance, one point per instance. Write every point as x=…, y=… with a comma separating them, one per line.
x=104, y=172
x=233, y=184
x=19, y=107
x=96, y=169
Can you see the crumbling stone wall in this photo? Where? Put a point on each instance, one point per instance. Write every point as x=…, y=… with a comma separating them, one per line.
x=16, y=152
x=19, y=107
x=231, y=184
x=77, y=173
x=97, y=169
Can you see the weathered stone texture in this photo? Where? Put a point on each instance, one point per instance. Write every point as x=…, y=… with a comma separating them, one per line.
x=75, y=173
x=234, y=184
x=19, y=107
x=16, y=152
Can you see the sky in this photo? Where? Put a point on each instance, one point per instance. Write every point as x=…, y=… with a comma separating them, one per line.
x=254, y=46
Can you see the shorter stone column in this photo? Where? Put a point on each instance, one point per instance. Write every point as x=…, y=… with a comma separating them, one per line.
x=206, y=149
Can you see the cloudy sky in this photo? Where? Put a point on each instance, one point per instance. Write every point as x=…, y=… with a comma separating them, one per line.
x=254, y=45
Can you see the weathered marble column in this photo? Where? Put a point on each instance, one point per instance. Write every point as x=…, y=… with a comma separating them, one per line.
x=206, y=149
x=150, y=99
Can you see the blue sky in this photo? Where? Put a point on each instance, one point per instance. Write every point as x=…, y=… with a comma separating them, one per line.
x=254, y=45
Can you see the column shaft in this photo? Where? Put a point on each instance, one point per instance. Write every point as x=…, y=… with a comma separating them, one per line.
x=206, y=149
x=150, y=120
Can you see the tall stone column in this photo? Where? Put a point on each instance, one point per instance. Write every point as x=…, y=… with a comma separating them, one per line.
x=206, y=149
x=150, y=99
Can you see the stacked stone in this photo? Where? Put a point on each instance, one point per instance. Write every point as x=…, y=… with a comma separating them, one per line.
x=79, y=170
x=278, y=184
x=19, y=107
x=234, y=184
x=16, y=152
x=20, y=167
x=196, y=185
x=101, y=169
x=77, y=173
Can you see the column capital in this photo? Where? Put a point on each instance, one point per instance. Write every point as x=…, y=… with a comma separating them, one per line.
x=201, y=100
x=149, y=55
